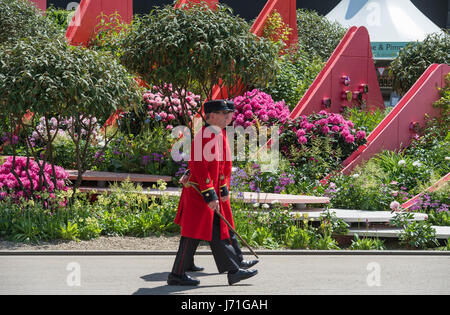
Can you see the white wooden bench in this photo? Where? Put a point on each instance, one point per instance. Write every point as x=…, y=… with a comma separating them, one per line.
x=102, y=177
x=442, y=232
x=247, y=197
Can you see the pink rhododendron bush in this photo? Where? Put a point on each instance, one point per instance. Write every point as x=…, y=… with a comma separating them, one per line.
x=169, y=109
x=28, y=180
x=258, y=106
x=320, y=141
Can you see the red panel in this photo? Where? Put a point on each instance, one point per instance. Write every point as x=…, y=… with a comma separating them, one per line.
x=352, y=58
x=393, y=132
x=287, y=10
x=432, y=188
x=81, y=28
x=41, y=4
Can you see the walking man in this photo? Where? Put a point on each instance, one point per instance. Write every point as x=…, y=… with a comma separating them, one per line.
x=210, y=171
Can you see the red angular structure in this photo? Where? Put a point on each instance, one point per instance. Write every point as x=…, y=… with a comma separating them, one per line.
x=348, y=77
x=411, y=202
x=41, y=4
x=288, y=11
x=395, y=130
x=81, y=28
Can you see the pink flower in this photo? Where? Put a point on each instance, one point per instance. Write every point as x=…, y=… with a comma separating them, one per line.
x=395, y=206
x=325, y=130
x=345, y=133
x=272, y=113
x=248, y=114
x=302, y=140
x=350, y=139
x=7, y=179
x=309, y=127
x=360, y=135
x=321, y=122
x=300, y=132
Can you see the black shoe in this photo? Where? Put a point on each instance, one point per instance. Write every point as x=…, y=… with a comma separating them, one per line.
x=241, y=274
x=182, y=280
x=195, y=268
x=246, y=264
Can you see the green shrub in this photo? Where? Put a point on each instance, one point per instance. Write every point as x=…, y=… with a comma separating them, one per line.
x=110, y=32
x=415, y=58
x=316, y=35
x=55, y=81
x=415, y=234
x=366, y=244
x=196, y=49
x=364, y=119
x=298, y=70
x=60, y=18
x=298, y=238
x=20, y=19
x=146, y=153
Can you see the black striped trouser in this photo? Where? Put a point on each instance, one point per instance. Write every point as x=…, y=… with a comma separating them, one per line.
x=225, y=256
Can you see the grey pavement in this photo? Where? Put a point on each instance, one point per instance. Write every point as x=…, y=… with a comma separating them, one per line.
x=278, y=275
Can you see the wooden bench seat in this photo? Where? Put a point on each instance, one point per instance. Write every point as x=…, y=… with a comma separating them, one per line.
x=248, y=197
x=117, y=177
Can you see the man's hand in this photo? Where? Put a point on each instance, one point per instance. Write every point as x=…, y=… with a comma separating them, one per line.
x=183, y=180
x=214, y=205
x=224, y=199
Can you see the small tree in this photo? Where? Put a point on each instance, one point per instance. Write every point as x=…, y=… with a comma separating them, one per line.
x=316, y=35
x=196, y=49
x=21, y=18
x=51, y=80
x=415, y=58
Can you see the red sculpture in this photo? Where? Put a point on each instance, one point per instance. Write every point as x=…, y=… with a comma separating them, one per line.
x=348, y=78
x=394, y=131
x=81, y=28
x=41, y=4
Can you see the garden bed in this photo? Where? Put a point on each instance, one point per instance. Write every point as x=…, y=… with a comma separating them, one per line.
x=61, y=119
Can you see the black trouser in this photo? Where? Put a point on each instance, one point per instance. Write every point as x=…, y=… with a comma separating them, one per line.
x=225, y=256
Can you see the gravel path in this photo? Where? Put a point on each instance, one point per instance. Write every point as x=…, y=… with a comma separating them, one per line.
x=103, y=243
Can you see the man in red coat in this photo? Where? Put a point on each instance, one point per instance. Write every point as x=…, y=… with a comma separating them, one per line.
x=210, y=172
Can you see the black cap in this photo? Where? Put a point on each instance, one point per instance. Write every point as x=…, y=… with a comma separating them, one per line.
x=218, y=105
x=231, y=106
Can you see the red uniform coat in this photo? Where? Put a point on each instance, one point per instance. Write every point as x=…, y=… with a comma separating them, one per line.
x=210, y=173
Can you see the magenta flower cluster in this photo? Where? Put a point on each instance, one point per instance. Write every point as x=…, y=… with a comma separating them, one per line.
x=169, y=110
x=257, y=105
x=305, y=128
x=326, y=124
x=10, y=186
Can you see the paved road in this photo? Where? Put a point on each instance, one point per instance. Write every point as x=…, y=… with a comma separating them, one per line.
x=283, y=274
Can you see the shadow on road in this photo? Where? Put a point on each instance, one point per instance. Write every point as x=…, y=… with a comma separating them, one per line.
x=169, y=289
x=162, y=276
x=172, y=289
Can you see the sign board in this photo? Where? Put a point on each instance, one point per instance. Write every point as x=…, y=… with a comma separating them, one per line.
x=387, y=50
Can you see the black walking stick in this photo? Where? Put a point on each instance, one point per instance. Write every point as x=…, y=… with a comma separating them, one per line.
x=188, y=184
